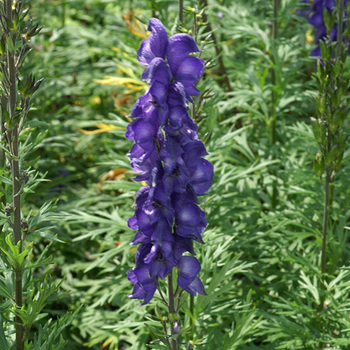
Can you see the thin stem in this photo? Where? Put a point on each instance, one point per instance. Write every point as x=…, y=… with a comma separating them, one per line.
x=193, y=322
x=325, y=220
x=324, y=236
x=273, y=134
x=64, y=5
x=222, y=71
x=162, y=296
x=276, y=5
x=166, y=335
x=222, y=68
x=8, y=6
x=181, y=11
x=195, y=25
x=340, y=27
x=178, y=301
x=171, y=308
x=17, y=232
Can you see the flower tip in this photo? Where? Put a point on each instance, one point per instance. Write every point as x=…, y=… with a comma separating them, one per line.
x=201, y=241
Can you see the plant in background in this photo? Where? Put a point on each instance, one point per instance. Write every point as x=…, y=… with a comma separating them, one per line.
x=313, y=314
x=168, y=156
x=332, y=111
x=25, y=285
x=320, y=13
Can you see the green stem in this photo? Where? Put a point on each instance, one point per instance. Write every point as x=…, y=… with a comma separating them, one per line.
x=193, y=321
x=340, y=27
x=276, y=5
x=222, y=71
x=273, y=133
x=17, y=232
x=324, y=226
x=181, y=11
x=64, y=7
x=209, y=29
x=324, y=238
x=171, y=309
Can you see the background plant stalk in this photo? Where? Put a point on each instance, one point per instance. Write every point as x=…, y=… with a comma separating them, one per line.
x=325, y=221
x=13, y=136
x=181, y=11
x=276, y=5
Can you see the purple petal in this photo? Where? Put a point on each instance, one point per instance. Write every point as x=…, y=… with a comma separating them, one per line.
x=155, y=45
x=132, y=223
x=159, y=93
x=142, y=252
x=144, y=134
x=158, y=70
x=189, y=268
x=193, y=151
x=190, y=221
x=189, y=215
x=179, y=47
x=182, y=245
x=145, y=286
x=189, y=72
x=196, y=286
x=202, y=178
x=140, y=237
x=177, y=95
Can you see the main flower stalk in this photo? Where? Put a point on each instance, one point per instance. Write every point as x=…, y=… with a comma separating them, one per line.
x=168, y=156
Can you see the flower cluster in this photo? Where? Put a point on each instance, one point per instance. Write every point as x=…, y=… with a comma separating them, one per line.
x=168, y=156
x=315, y=18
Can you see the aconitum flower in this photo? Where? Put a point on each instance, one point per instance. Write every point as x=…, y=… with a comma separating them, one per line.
x=315, y=18
x=168, y=156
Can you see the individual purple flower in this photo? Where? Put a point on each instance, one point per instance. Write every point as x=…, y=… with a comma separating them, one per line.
x=189, y=267
x=144, y=285
x=168, y=156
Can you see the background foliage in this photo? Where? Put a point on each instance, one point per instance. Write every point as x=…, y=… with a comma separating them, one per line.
x=260, y=264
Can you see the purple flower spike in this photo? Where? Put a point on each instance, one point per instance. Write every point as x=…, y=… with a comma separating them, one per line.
x=168, y=155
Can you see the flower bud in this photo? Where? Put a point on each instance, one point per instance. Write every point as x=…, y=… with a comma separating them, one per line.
x=23, y=177
x=24, y=225
x=8, y=209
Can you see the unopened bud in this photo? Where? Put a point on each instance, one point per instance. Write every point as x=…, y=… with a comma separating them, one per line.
x=24, y=225
x=8, y=209
x=23, y=177
x=176, y=327
x=34, y=31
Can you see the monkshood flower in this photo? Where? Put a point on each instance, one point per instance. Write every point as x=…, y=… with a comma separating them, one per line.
x=168, y=156
x=315, y=17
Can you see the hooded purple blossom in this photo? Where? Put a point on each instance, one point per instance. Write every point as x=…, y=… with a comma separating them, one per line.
x=168, y=156
x=315, y=14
